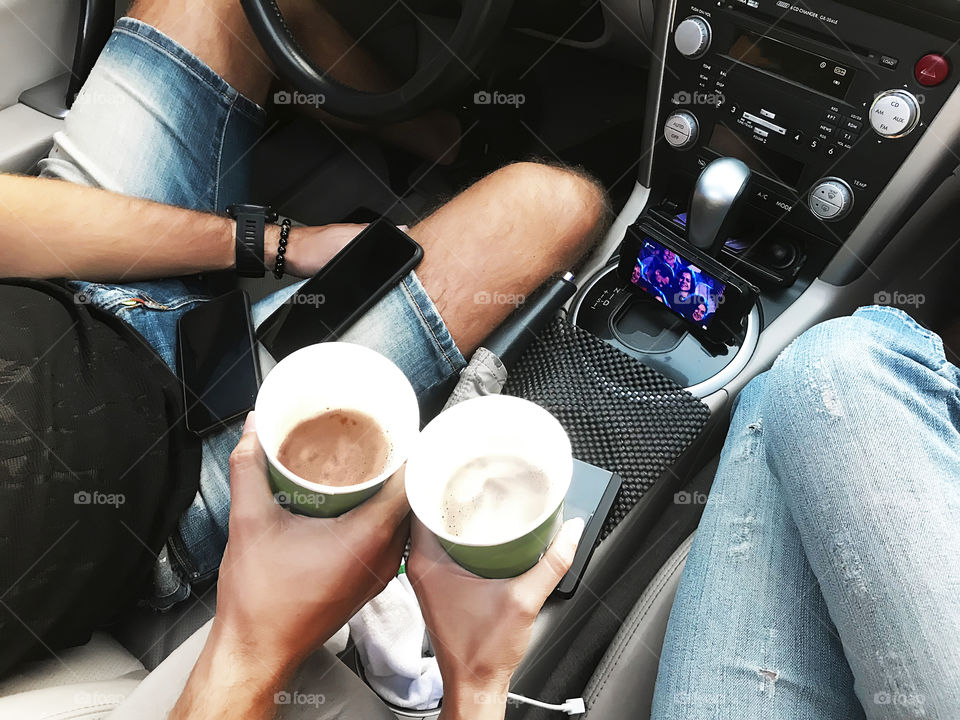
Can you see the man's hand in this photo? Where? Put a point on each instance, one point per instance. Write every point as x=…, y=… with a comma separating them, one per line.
x=287, y=584
x=310, y=248
x=480, y=628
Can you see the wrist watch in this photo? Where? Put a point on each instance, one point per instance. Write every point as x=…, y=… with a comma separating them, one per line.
x=251, y=221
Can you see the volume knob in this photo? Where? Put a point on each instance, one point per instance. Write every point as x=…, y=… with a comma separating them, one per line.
x=692, y=37
x=895, y=113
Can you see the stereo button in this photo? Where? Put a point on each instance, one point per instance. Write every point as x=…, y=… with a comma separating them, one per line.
x=895, y=113
x=831, y=199
x=823, y=209
x=681, y=130
x=692, y=37
x=931, y=70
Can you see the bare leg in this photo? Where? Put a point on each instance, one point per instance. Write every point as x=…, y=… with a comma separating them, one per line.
x=505, y=235
x=218, y=32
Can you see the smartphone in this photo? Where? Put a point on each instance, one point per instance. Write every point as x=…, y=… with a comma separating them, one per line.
x=218, y=364
x=591, y=496
x=347, y=286
x=711, y=300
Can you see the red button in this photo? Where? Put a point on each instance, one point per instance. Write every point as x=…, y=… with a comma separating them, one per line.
x=931, y=70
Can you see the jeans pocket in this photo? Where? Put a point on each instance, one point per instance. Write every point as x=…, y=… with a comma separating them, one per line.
x=152, y=308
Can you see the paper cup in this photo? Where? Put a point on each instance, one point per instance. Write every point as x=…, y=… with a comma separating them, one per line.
x=334, y=376
x=494, y=425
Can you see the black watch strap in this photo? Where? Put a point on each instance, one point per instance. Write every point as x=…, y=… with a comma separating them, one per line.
x=251, y=224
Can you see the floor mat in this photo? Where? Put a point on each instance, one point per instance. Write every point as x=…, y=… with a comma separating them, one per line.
x=620, y=415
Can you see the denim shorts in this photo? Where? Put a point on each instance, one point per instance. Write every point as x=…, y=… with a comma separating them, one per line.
x=153, y=121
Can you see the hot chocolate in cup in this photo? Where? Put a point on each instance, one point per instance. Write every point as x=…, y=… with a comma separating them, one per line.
x=488, y=477
x=324, y=390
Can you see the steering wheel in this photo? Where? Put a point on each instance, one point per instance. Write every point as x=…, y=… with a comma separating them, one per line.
x=480, y=21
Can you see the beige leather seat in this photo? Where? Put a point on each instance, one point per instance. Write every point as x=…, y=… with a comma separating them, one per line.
x=84, y=682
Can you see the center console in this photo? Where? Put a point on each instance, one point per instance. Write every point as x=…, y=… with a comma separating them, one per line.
x=824, y=105
x=823, y=101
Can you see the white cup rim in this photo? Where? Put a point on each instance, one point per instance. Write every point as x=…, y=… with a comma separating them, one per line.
x=558, y=489
x=388, y=373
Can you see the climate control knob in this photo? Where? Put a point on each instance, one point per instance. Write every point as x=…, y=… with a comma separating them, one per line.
x=692, y=37
x=895, y=113
x=682, y=130
x=831, y=199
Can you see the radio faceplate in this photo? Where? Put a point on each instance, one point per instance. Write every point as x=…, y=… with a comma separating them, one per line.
x=824, y=105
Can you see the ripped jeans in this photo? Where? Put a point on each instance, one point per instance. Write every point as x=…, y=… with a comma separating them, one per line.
x=824, y=580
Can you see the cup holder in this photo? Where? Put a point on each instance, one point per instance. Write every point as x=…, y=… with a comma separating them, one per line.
x=650, y=333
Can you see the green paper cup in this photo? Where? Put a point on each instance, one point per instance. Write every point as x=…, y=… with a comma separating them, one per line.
x=325, y=377
x=494, y=426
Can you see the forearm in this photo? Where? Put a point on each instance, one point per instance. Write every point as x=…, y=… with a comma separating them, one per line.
x=50, y=228
x=473, y=701
x=228, y=682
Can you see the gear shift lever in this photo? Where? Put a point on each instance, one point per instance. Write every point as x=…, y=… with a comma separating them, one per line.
x=715, y=204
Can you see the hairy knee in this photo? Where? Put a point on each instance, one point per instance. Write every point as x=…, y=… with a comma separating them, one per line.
x=568, y=201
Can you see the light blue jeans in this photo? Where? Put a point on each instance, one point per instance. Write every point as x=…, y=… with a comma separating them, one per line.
x=824, y=580
x=155, y=122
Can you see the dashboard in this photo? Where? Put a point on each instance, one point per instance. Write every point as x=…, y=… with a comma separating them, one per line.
x=823, y=100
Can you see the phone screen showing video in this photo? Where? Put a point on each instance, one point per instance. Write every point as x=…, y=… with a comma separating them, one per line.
x=680, y=285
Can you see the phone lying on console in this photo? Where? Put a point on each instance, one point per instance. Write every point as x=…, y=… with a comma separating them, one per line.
x=711, y=300
x=590, y=497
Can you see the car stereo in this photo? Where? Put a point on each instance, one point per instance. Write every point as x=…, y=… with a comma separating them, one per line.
x=823, y=100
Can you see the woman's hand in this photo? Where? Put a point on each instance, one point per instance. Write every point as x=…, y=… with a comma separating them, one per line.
x=480, y=628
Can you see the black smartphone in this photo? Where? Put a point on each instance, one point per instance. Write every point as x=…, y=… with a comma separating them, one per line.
x=218, y=364
x=712, y=300
x=591, y=496
x=347, y=286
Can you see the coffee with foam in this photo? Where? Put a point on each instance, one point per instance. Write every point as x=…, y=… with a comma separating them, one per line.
x=489, y=499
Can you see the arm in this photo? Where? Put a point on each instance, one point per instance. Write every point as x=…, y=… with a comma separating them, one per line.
x=480, y=628
x=50, y=228
x=287, y=584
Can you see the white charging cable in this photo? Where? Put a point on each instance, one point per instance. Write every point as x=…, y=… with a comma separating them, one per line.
x=573, y=706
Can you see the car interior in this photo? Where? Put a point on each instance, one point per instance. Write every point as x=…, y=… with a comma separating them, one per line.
x=843, y=117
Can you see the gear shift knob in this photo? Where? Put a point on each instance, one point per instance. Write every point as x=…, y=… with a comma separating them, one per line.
x=715, y=204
